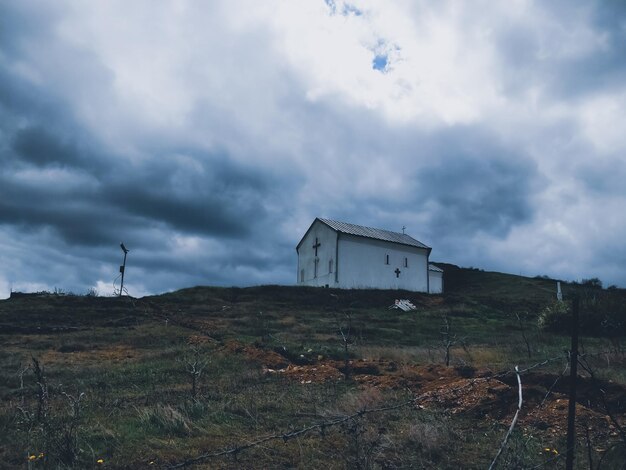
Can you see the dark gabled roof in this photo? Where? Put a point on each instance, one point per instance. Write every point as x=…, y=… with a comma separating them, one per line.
x=374, y=233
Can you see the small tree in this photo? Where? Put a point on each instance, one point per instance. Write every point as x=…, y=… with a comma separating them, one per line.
x=448, y=339
x=345, y=331
x=194, y=365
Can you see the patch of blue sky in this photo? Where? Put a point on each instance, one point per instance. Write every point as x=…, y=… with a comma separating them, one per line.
x=350, y=10
x=380, y=62
x=347, y=9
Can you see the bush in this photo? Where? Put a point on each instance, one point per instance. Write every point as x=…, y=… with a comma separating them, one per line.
x=601, y=313
x=594, y=283
x=555, y=317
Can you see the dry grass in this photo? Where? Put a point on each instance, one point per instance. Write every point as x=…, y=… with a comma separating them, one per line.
x=406, y=354
x=76, y=355
x=139, y=407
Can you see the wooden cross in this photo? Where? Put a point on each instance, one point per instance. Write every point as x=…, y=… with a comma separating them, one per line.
x=316, y=246
x=397, y=271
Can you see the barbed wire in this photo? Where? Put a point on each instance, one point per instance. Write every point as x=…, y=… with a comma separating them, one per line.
x=286, y=436
x=413, y=401
x=559, y=377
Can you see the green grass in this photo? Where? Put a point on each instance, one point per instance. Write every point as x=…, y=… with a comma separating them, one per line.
x=128, y=357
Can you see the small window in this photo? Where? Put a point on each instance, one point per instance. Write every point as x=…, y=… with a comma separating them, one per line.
x=302, y=275
x=330, y=265
x=386, y=259
x=406, y=262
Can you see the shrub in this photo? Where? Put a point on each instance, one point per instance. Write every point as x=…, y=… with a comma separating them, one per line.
x=601, y=313
x=92, y=292
x=555, y=317
x=593, y=282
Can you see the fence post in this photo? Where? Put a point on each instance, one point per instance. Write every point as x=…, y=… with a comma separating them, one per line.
x=571, y=415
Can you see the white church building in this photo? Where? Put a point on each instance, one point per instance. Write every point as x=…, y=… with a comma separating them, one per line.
x=348, y=256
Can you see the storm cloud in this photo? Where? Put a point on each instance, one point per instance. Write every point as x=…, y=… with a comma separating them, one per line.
x=207, y=138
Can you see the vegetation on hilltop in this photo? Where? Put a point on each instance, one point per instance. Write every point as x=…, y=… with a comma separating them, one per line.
x=319, y=377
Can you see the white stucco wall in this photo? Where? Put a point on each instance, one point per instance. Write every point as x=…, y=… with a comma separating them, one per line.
x=326, y=252
x=362, y=264
x=435, y=282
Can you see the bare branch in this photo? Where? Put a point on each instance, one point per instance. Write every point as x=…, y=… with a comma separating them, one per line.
x=587, y=367
x=345, y=332
x=323, y=425
x=194, y=365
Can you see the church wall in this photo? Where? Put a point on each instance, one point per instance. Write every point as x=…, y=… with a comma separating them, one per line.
x=435, y=282
x=326, y=252
x=363, y=264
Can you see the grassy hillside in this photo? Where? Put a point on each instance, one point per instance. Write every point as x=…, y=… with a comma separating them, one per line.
x=271, y=363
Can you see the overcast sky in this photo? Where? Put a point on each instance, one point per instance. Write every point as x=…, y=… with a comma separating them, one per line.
x=207, y=136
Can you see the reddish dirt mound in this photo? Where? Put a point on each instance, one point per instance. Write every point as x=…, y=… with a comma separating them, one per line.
x=543, y=407
x=269, y=359
x=466, y=390
x=198, y=339
x=316, y=373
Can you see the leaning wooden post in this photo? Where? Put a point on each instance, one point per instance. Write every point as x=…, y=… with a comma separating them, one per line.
x=571, y=415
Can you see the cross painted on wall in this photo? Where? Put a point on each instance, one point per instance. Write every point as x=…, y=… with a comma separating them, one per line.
x=397, y=271
x=316, y=246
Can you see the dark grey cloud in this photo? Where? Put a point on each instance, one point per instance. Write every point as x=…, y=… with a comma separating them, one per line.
x=205, y=178
x=583, y=52
x=464, y=183
x=477, y=185
x=223, y=201
x=19, y=23
x=603, y=176
x=60, y=187
x=37, y=146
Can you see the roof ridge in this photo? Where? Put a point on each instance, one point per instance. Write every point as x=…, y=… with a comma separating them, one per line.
x=371, y=232
x=363, y=226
